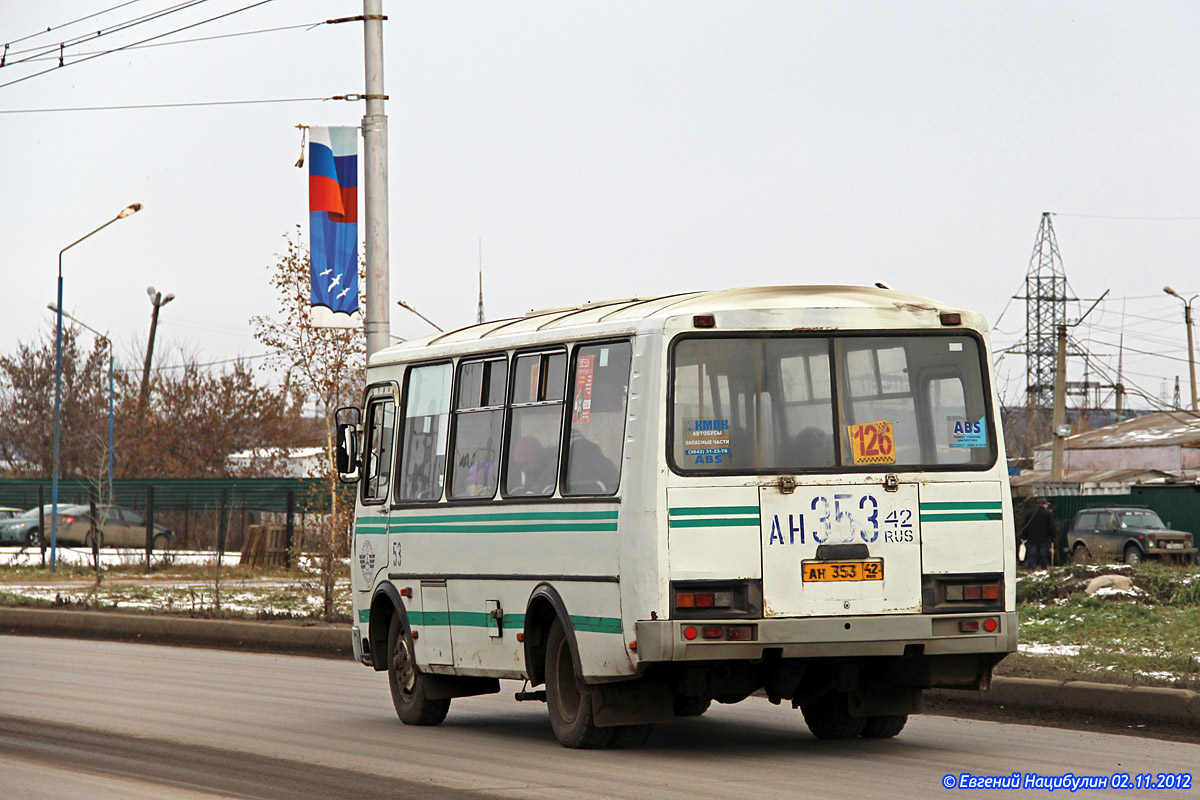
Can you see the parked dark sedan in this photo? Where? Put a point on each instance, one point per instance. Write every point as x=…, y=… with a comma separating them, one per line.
x=1131, y=535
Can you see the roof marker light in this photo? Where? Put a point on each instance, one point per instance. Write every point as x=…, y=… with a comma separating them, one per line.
x=704, y=321
x=950, y=318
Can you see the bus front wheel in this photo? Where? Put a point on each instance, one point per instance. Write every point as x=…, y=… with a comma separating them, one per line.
x=408, y=684
x=568, y=698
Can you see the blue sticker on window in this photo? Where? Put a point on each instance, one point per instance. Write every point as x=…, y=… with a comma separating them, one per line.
x=706, y=437
x=968, y=433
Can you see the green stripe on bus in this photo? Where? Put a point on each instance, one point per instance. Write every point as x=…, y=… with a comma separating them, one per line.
x=480, y=619
x=964, y=517
x=370, y=529
x=546, y=527
x=720, y=522
x=596, y=624
x=712, y=511
x=987, y=505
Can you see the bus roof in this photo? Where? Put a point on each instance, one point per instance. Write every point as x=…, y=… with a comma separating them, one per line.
x=625, y=314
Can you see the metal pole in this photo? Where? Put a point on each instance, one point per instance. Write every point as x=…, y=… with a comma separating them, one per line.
x=1060, y=404
x=375, y=183
x=149, y=525
x=144, y=394
x=111, y=499
x=1187, y=316
x=129, y=210
x=57, y=417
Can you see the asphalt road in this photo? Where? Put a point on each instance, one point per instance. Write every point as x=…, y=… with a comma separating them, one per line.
x=104, y=719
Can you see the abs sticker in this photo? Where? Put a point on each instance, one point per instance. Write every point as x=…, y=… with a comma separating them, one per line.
x=967, y=433
x=706, y=441
x=873, y=443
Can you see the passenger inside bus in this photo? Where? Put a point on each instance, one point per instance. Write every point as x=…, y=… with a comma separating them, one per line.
x=531, y=470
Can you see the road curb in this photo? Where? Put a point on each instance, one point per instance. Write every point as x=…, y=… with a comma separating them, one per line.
x=1144, y=704
x=331, y=641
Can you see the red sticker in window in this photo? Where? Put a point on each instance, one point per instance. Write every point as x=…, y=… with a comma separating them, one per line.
x=583, y=388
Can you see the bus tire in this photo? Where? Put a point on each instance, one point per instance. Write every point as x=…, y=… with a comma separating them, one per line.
x=828, y=717
x=884, y=727
x=631, y=735
x=691, y=706
x=408, y=684
x=568, y=698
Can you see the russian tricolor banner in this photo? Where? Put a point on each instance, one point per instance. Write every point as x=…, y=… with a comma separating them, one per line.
x=333, y=226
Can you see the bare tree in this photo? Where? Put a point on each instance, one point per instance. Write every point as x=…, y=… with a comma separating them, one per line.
x=328, y=363
x=27, y=398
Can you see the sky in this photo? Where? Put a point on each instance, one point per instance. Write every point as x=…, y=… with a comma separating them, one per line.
x=615, y=149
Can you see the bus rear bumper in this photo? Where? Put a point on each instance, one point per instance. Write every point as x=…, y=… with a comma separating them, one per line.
x=829, y=637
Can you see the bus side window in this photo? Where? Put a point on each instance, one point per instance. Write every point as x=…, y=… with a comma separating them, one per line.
x=426, y=422
x=597, y=419
x=478, y=421
x=535, y=425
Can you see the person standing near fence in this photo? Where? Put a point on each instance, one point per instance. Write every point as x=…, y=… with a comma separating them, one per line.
x=1038, y=533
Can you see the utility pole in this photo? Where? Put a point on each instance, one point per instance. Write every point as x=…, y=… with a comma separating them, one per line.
x=1187, y=319
x=1057, y=471
x=377, y=322
x=158, y=301
x=1061, y=429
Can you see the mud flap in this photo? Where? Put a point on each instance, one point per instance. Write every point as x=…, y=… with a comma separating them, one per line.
x=637, y=702
x=441, y=687
x=885, y=701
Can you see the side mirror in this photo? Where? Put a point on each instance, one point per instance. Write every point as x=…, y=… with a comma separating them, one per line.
x=346, y=455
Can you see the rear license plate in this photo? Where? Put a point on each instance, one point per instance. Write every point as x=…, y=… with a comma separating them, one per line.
x=842, y=570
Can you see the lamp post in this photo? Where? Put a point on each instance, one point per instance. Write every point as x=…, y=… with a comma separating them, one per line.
x=407, y=307
x=107, y=344
x=127, y=211
x=1187, y=318
x=158, y=300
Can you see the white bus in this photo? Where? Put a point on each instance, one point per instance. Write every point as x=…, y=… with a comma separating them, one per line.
x=649, y=504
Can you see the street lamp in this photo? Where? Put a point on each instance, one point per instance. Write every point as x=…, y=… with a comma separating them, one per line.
x=1187, y=318
x=127, y=211
x=158, y=300
x=107, y=344
x=407, y=307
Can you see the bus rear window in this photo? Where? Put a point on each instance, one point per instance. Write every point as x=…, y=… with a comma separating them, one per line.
x=758, y=404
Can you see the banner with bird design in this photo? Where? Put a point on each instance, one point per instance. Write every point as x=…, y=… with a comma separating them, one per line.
x=333, y=227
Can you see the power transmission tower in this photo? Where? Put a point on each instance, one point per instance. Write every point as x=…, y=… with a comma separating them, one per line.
x=1045, y=309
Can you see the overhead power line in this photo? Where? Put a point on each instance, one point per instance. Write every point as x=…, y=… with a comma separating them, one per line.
x=177, y=105
x=75, y=56
x=72, y=22
x=141, y=41
x=1132, y=219
x=91, y=36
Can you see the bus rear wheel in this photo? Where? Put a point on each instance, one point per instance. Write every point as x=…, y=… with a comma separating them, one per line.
x=828, y=717
x=408, y=684
x=884, y=727
x=568, y=698
x=691, y=706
